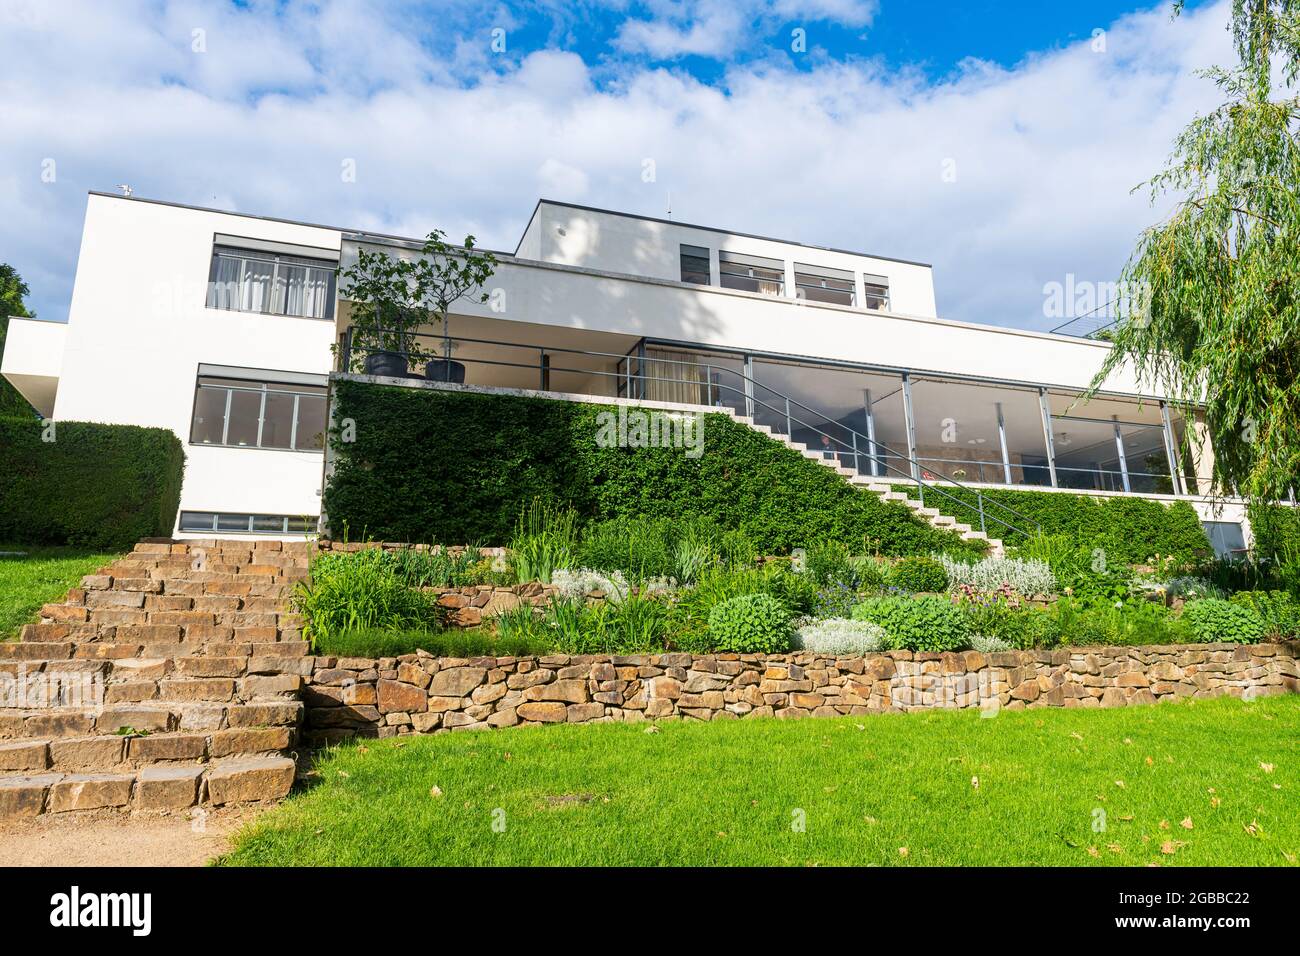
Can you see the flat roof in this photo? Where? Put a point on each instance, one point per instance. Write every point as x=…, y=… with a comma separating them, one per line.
x=729, y=232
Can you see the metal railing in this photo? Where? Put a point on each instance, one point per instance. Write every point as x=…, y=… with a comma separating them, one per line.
x=853, y=445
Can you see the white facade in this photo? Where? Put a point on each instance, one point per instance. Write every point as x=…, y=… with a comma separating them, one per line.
x=143, y=328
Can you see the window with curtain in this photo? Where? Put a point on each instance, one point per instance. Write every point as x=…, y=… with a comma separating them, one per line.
x=258, y=415
x=246, y=280
x=821, y=284
x=751, y=273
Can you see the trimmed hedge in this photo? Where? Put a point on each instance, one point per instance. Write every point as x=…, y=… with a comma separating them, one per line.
x=1131, y=530
x=457, y=468
x=1276, y=531
x=94, y=486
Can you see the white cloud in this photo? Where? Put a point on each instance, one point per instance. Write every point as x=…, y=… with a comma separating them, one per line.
x=717, y=28
x=840, y=154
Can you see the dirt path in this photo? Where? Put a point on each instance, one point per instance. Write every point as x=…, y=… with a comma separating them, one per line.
x=114, y=839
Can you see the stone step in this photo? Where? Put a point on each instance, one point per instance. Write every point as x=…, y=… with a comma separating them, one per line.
x=172, y=787
x=121, y=753
x=151, y=716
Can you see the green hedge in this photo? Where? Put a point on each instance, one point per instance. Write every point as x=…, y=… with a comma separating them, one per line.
x=457, y=468
x=1276, y=531
x=95, y=486
x=1132, y=530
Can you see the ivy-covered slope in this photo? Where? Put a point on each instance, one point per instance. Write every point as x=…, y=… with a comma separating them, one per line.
x=457, y=467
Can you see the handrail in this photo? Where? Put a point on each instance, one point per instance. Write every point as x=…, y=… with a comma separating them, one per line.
x=747, y=396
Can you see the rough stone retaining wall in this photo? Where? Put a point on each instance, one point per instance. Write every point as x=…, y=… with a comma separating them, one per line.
x=419, y=693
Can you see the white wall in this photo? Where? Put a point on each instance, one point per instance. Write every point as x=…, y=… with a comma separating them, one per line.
x=138, y=330
x=581, y=298
x=616, y=243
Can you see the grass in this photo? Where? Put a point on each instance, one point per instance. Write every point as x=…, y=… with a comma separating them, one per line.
x=1022, y=788
x=42, y=575
x=449, y=643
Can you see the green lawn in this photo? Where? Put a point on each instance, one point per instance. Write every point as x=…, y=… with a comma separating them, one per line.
x=945, y=787
x=42, y=576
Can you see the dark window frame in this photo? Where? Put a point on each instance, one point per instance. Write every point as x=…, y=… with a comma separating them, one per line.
x=245, y=255
x=267, y=387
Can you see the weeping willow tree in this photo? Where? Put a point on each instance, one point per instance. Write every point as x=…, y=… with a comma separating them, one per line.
x=1212, y=294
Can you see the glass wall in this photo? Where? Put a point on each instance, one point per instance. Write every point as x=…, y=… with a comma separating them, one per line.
x=855, y=417
x=691, y=378
x=979, y=433
x=964, y=431
x=1109, y=445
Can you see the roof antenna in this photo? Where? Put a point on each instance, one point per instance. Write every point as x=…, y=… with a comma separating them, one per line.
x=670, y=204
x=126, y=190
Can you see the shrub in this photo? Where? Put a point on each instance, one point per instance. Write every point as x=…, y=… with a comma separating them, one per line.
x=544, y=541
x=828, y=563
x=988, y=645
x=840, y=637
x=919, y=574
x=644, y=548
x=95, y=486
x=410, y=476
x=1278, y=610
x=1025, y=575
x=750, y=624
x=1190, y=587
x=360, y=591
x=870, y=574
x=1275, y=530
x=439, y=568
x=835, y=600
x=926, y=623
x=580, y=583
x=1213, y=620
x=1129, y=530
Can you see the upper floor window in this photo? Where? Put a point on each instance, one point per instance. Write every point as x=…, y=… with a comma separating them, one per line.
x=820, y=284
x=248, y=280
x=875, y=292
x=247, y=414
x=751, y=273
x=695, y=264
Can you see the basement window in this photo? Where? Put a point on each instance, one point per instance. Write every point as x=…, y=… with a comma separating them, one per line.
x=234, y=523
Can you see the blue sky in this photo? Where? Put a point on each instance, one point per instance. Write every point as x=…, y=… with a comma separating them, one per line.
x=932, y=37
x=999, y=141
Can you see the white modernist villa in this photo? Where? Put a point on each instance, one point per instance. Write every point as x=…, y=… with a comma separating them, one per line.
x=219, y=326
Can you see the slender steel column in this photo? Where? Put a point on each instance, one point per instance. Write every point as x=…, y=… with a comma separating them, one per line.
x=1171, y=451
x=1119, y=447
x=1002, y=440
x=1047, y=435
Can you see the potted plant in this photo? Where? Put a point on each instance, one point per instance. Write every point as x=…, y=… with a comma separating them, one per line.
x=393, y=296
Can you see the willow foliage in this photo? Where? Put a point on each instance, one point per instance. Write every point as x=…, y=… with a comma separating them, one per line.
x=1213, y=292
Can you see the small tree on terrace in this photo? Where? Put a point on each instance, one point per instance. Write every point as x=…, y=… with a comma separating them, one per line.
x=392, y=296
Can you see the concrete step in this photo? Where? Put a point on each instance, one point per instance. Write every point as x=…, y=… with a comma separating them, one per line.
x=177, y=786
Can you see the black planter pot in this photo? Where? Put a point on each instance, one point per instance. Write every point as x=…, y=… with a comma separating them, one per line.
x=390, y=364
x=445, y=370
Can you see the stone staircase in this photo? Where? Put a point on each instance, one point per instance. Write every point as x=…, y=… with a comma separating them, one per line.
x=881, y=488
x=170, y=679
